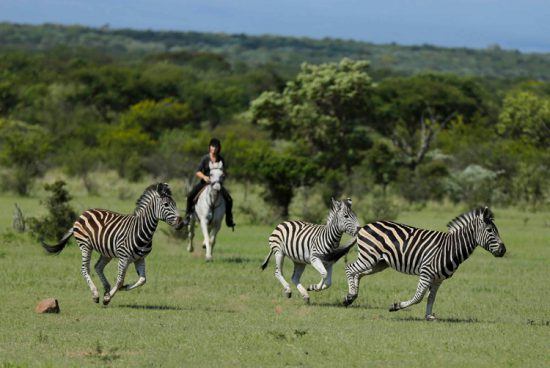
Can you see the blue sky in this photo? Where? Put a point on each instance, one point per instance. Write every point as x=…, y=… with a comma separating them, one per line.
x=520, y=24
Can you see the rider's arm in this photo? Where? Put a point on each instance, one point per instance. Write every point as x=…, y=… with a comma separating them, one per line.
x=200, y=175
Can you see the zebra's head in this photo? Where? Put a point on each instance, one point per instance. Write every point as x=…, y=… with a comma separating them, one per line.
x=487, y=233
x=345, y=218
x=166, y=207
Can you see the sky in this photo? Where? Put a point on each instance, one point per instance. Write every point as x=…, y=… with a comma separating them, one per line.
x=521, y=24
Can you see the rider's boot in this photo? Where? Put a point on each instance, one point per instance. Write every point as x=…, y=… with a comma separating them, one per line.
x=229, y=221
x=187, y=219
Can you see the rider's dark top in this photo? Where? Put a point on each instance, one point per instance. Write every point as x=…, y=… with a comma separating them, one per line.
x=205, y=168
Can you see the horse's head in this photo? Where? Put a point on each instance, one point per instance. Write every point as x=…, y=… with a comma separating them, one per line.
x=216, y=179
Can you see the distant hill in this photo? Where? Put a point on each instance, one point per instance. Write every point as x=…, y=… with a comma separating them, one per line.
x=287, y=51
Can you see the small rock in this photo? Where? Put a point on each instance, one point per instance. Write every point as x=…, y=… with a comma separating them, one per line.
x=49, y=305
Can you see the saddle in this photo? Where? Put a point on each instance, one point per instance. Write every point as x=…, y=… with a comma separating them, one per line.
x=196, y=198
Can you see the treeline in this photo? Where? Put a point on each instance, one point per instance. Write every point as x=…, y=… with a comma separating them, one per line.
x=334, y=128
x=287, y=52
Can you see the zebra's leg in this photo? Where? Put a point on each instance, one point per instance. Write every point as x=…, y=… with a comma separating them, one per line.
x=423, y=285
x=85, y=269
x=122, y=267
x=206, y=237
x=355, y=271
x=320, y=267
x=191, y=234
x=140, y=269
x=322, y=285
x=99, y=267
x=296, y=275
x=431, y=299
x=279, y=258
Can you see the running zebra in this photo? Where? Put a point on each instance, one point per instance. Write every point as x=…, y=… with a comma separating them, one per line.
x=432, y=255
x=126, y=237
x=306, y=243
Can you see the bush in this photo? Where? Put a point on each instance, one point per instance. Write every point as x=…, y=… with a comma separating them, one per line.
x=380, y=207
x=60, y=217
x=474, y=186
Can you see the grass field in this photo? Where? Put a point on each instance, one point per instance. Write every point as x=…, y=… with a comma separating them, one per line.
x=493, y=312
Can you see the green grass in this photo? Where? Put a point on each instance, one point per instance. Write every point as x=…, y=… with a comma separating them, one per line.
x=493, y=312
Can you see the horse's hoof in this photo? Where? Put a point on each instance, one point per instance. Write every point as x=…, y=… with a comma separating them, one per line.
x=430, y=317
x=204, y=246
x=190, y=250
x=394, y=307
x=95, y=299
x=209, y=259
x=306, y=299
x=287, y=293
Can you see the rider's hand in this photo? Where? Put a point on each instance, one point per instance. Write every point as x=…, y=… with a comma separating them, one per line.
x=207, y=179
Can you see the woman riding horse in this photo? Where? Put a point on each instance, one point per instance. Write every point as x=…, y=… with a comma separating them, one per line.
x=203, y=173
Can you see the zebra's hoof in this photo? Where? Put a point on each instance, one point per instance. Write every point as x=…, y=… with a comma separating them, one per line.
x=106, y=298
x=430, y=317
x=394, y=307
x=95, y=299
x=348, y=300
x=311, y=288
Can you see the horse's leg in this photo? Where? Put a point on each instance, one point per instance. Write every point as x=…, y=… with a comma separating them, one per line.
x=122, y=267
x=140, y=269
x=99, y=267
x=206, y=237
x=85, y=269
x=191, y=234
x=214, y=229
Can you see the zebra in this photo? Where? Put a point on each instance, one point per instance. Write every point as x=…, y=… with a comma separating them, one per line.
x=126, y=237
x=305, y=243
x=432, y=255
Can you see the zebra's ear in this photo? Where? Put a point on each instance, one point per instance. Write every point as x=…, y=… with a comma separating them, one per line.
x=163, y=189
x=335, y=203
x=348, y=202
x=487, y=215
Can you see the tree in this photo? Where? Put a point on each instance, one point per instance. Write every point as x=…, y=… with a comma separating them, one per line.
x=526, y=116
x=322, y=110
x=23, y=149
x=155, y=117
x=281, y=173
x=412, y=111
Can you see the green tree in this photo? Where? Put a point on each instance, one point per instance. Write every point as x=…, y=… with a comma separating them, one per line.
x=526, y=116
x=23, y=149
x=323, y=111
x=155, y=117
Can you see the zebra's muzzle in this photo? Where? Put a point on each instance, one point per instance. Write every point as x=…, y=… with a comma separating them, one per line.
x=500, y=251
x=179, y=223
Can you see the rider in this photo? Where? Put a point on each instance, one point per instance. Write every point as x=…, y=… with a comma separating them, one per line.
x=203, y=173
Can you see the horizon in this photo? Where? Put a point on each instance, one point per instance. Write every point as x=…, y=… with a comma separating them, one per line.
x=475, y=24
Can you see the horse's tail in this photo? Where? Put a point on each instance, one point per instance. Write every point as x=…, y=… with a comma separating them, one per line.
x=57, y=248
x=266, y=261
x=338, y=253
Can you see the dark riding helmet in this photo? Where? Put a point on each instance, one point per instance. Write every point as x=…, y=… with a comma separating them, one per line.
x=215, y=142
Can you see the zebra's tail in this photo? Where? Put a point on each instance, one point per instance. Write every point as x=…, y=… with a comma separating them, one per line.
x=266, y=261
x=57, y=248
x=338, y=253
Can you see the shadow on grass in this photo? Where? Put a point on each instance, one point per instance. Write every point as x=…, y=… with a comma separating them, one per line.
x=338, y=304
x=439, y=319
x=173, y=308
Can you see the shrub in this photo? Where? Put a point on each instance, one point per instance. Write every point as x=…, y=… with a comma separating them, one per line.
x=60, y=217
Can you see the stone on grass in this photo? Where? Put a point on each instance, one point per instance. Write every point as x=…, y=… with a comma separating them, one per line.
x=49, y=305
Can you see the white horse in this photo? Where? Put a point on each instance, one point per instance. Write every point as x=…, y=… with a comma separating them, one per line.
x=209, y=211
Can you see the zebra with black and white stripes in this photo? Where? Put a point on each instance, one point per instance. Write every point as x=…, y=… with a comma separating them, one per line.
x=432, y=255
x=126, y=237
x=305, y=243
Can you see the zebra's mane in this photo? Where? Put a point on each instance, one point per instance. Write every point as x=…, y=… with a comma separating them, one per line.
x=460, y=221
x=143, y=201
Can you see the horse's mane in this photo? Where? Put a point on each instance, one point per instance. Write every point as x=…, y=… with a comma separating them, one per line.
x=144, y=199
x=461, y=221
